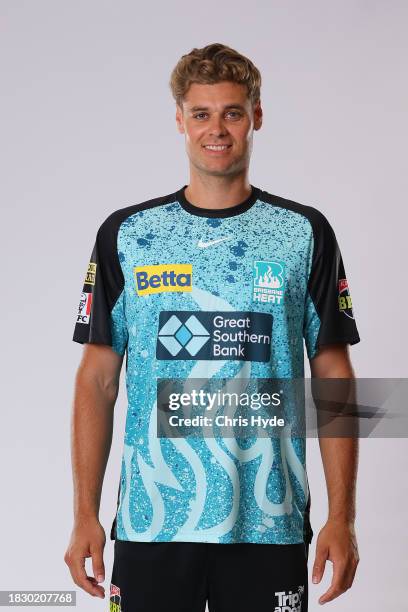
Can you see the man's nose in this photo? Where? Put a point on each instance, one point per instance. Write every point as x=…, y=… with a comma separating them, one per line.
x=217, y=126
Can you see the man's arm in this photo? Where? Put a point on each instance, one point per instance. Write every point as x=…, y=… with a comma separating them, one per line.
x=337, y=541
x=96, y=390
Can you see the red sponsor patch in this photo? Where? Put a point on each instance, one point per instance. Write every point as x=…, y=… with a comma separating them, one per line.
x=84, y=308
x=343, y=284
x=114, y=590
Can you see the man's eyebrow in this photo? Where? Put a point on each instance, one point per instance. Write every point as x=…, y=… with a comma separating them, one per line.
x=194, y=109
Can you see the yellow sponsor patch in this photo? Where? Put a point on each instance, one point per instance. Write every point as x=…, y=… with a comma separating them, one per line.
x=163, y=277
x=91, y=273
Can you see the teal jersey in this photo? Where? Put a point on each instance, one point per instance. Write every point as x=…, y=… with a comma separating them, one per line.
x=193, y=293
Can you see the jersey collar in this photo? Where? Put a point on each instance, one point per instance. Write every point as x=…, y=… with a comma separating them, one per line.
x=231, y=211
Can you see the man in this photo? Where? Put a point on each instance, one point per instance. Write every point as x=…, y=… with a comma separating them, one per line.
x=169, y=282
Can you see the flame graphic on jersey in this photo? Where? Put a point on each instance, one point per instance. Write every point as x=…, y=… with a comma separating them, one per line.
x=162, y=474
x=268, y=279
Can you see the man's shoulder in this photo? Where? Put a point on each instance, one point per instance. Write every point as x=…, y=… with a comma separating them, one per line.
x=306, y=210
x=114, y=220
x=314, y=215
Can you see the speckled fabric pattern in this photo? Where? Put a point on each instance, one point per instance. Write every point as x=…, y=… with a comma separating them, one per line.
x=258, y=260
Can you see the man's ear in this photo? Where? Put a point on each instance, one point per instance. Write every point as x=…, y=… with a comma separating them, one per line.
x=258, y=114
x=179, y=119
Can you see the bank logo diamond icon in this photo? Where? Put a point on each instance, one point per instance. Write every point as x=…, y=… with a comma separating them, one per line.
x=191, y=335
x=183, y=335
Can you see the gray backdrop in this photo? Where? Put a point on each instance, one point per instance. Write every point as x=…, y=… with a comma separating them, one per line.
x=87, y=126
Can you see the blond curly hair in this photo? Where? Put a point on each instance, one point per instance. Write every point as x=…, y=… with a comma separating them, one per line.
x=212, y=64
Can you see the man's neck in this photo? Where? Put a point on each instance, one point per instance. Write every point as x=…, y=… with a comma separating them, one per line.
x=217, y=192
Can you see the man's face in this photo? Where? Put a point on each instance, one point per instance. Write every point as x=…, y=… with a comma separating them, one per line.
x=219, y=114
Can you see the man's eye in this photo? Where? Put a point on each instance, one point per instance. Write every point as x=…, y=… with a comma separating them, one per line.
x=232, y=114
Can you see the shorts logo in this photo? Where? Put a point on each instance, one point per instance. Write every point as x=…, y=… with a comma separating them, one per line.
x=268, y=281
x=163, y=277
x=345, y=303
x=91, y=273
x=289, y=602
x=244, y=336
x=84, y=308
x=114, y=600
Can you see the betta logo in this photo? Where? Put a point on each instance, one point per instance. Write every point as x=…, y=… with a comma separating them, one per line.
x=345, y=303
x=163, y=277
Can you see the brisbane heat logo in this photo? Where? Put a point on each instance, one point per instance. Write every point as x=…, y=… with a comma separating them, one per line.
x=163, y=277
x=268, y=281
x=345, y=303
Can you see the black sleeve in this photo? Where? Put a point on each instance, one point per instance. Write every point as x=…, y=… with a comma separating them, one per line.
x=329, y=315
x=101, y=312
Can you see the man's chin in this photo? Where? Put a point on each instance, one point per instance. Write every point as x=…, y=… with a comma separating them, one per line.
x=220, y=172
x=214, y=170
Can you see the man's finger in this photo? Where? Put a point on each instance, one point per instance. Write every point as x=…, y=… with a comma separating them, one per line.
x=319, y=564
x=98, y=566
x=78, y=573
x=337, y=586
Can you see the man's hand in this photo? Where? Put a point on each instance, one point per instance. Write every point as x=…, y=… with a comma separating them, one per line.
x=87, y=540
x=96, y=390
x=337, y=543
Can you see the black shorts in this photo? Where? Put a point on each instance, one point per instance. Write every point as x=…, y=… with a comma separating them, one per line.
x=183, y=576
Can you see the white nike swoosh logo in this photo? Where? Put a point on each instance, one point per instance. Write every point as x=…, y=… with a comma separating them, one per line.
x=204, y=245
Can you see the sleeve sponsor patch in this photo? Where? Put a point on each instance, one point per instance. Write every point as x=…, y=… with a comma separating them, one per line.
x=84, y=308
x=90, y=274
x=345, y=302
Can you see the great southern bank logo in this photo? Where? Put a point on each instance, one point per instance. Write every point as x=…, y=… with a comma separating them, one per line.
x=175, y=335
x=268, y=281
x=245, y=336
x=163, y=277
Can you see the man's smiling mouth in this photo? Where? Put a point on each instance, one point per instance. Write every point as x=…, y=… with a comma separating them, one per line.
x=211, y=147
